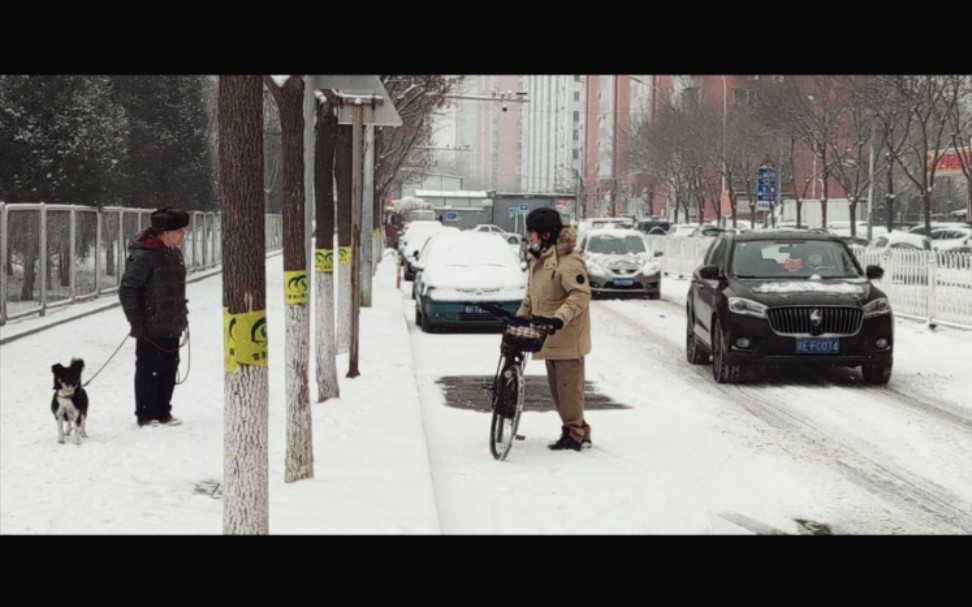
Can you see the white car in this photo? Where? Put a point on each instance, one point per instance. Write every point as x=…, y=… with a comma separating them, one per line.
x=682, y=229
x=950, y=238
x=492, y=228
x=619, y=262
x=899, y=240
x=458, y=270
x=413, y=241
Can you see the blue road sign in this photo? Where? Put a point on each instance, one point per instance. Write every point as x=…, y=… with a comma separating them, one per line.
x=524, y=208
x=452, y=216
x=766, y=185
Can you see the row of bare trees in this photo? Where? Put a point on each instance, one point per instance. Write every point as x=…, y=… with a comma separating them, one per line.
x=244, y=298
x=903, y=123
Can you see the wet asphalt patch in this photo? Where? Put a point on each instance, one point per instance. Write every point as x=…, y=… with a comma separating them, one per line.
x=468, y=392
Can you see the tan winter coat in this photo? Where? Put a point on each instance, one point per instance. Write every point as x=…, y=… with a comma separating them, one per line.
x=557, y=286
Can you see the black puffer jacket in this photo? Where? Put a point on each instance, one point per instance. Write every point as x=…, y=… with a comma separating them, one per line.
x=153, y=289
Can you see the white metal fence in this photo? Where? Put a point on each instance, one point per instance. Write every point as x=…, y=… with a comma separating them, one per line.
x=53, y=254
x=933, y=286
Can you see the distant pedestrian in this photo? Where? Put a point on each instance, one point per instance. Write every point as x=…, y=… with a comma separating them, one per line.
x=559, y=293
x=153, y=296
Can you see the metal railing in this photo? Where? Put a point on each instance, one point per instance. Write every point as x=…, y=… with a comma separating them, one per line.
x=933, y=286
x=57, y=254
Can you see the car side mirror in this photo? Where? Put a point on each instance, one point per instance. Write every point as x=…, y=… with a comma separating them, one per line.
x=415, y=254
x=659, y=253
x=874, y=272
x=709, y=272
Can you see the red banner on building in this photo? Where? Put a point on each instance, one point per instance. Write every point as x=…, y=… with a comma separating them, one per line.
x=949, y=163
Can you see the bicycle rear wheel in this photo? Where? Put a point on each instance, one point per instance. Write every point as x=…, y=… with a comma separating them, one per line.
x=507, y=407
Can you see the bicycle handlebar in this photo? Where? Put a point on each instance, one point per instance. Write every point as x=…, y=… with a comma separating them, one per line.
x=510, y=319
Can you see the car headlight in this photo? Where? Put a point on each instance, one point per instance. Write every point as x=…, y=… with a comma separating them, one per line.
x=877, y=307
x=740, y=305
x=594, y=268
x=650, y=268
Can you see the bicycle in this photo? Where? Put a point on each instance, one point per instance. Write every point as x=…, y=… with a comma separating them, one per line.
x=521, y=337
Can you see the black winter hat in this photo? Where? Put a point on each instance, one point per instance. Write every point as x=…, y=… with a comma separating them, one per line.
x=169, y=218
x=543, y=220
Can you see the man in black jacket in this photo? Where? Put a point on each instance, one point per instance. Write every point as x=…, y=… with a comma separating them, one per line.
x=153, y=296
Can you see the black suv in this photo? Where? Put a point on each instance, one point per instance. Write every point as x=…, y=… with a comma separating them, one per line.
x=787, y=298
x=654, y=226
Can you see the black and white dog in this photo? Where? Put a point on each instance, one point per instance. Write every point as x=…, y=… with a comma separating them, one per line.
x=70, y=402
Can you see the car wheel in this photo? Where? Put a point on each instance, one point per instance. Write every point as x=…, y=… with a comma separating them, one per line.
x=694, y=351
x=878, y=374
x=722, y=372
x=427, y=324
x=418, y=314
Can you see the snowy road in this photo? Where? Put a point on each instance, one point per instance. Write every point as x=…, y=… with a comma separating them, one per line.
x=797, y=452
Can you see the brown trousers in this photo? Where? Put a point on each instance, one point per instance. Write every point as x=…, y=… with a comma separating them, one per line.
x=566, y=380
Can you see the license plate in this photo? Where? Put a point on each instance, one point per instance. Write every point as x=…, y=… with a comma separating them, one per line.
x=472, y=309
x=818, y=345
x=623, y=282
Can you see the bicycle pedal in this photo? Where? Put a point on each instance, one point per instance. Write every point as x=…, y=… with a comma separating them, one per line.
x=520, y=437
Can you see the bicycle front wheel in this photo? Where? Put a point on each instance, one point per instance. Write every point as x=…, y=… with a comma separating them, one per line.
x=507, y=407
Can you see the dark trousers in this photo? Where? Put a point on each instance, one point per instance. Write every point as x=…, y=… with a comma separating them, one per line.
x=155, y=377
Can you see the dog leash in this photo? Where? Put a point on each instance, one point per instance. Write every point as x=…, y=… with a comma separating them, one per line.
x=85, y=384
x=170, y=351
x=188, y=357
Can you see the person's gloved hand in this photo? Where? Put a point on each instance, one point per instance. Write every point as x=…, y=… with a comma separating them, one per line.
x=137, y=331
x=554, y=323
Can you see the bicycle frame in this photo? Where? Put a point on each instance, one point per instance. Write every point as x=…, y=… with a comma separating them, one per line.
x=507, y=389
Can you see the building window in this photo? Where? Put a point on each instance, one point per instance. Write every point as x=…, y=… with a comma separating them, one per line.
x=576, y=134
x=577, y=79
x=576, y=95
x=743, y=97
x=777, y=78
x=576, y=116
x=576, y=155
x=689, y=99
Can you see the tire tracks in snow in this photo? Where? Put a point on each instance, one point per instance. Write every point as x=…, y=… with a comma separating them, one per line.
x=937, y=507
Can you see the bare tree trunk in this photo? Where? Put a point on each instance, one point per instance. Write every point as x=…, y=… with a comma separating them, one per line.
x=326, y=352
x=324, y=144
x=300, y=448
x=110, y=257
x=889, y=198
x=342, y=169
x=27, y=289
x=246, y=390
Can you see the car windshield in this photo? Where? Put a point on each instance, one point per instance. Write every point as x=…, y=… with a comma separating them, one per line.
x=792, y=258
x=606, y=244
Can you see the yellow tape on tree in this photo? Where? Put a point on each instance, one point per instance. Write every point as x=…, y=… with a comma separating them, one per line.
x=295, y=287
x=244, y=339
x=344, y=256
x=324, y=260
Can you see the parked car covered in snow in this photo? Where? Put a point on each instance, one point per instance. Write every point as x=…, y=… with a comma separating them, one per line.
x=412, y=241
x=619, y=262
x=457, y=271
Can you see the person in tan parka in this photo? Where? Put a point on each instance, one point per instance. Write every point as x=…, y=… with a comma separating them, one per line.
x=559, y=294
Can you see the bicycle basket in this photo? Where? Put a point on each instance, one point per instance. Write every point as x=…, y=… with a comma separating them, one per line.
x=524, y=338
